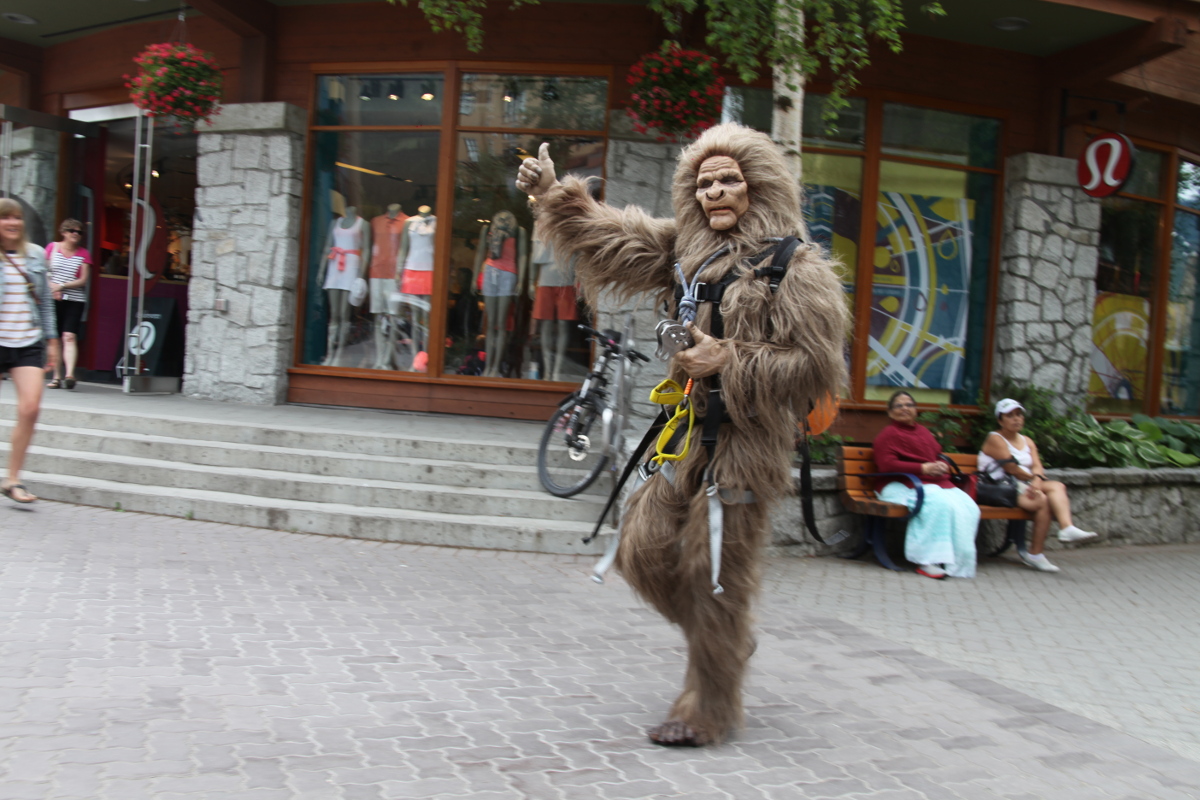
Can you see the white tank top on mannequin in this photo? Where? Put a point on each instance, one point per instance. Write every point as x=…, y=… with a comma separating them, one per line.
x=1024, y=457
x=347, y=239
x=420, y=244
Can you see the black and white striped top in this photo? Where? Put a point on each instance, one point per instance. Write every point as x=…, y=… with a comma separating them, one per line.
x=64, y=269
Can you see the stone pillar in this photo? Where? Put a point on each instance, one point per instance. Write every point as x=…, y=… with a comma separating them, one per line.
x=1047, y=277
x=639, y=174
x=246, y=254
x=35, y=181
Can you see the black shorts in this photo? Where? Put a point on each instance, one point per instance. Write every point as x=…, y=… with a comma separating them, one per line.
x=70, y=315
x=33, y=355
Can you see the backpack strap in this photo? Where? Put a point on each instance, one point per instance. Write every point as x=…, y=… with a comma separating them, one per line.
x=778, y=267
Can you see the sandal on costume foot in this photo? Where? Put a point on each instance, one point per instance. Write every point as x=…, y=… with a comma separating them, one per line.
x=9, y=492
x=69, y=383
x=54, y=384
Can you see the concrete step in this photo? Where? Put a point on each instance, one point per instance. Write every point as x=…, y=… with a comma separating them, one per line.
x=390, y=438
x=286, y=459
x=298, y=485
x=334, y=519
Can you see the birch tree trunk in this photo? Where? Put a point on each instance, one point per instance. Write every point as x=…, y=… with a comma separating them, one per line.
x=786, y=119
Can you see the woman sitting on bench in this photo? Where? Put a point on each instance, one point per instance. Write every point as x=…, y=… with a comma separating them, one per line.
x=941, y=538
x=1035, y=494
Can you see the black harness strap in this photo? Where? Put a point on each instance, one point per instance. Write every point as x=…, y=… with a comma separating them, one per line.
x=651, y=434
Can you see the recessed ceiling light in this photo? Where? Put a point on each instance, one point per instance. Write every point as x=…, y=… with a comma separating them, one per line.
x=20, y=19
x=1010, y=23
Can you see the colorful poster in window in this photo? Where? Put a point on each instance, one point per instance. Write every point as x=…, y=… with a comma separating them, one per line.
x=832, y=216
x=1120, y=345
x=920, y=291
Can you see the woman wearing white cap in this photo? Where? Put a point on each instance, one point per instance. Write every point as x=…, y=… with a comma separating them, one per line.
x=1042, y=498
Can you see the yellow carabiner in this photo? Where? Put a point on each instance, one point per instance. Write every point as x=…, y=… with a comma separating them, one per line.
x=670, y=393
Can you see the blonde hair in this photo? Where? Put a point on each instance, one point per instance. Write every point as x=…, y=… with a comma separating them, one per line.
x=11, y=208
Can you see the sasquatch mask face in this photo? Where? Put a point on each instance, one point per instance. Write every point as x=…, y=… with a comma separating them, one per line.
x=765, y=204
x=722, y=192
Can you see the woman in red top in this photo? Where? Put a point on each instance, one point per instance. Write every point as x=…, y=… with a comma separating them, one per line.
x=941, y=538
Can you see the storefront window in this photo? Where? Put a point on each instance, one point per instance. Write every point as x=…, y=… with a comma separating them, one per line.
x=848, y=132
x=1146, y=177
x=533, y=102
x=511, y=303
x=1181, y=361
x=371, y=249
x=833, y=209
x=1125, y=280
x=932, y=252
x=940, y=135
x=391, y=100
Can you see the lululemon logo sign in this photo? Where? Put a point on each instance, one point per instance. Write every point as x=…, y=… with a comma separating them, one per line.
x=1105, y=164
x=141, y=338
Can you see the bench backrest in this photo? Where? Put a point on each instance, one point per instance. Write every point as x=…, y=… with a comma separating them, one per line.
x=854, y=462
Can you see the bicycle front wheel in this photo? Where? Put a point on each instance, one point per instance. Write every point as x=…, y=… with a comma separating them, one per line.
x=571, y=453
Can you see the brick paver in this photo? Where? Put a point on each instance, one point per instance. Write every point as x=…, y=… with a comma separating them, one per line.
x=148, y=657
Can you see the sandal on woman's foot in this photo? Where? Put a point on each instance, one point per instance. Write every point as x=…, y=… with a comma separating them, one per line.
x=54, y=384
x=13, y=489
x=69, y=383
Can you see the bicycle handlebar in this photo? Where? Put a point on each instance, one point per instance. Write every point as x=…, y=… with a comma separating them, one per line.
x=611, y=344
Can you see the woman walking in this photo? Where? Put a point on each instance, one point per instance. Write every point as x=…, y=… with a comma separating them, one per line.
x=69, y=265
x=28, y=335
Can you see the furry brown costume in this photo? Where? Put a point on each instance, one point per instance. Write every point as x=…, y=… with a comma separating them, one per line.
x=784, y=352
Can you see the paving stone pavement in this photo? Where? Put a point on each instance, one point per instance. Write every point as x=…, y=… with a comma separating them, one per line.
x=150, y=657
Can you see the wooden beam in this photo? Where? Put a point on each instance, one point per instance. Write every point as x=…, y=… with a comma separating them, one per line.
x=258, y=59
x=1095, y=61
x=247, y=18
x=20, y=57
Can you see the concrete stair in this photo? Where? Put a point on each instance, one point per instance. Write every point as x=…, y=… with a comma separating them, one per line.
x=422, y=479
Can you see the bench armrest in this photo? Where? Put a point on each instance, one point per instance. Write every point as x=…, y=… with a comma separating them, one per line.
x=916, y=482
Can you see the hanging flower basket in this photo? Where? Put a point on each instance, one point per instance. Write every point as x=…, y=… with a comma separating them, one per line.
x=677, y=93
x=176, y=80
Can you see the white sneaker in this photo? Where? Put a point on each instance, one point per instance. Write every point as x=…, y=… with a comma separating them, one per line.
x=1074, y=534
x=1038, y=562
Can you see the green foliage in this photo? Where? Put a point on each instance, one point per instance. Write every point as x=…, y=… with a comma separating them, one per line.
x=950, y=427
x=464, y=16
x=753, y=36
x=823, y=448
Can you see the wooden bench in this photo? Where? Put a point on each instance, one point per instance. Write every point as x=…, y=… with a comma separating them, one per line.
x=856, y=482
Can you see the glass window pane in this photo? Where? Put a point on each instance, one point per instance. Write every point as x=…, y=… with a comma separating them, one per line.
x=1121, y=316
x=541, y=102
x=940, y=135
x=512, y=308
x=401, y=99
x=1146, y=177
x=932, y=257
x=373, y=193
x=1187, y=191
x=850, y=130
x=833, y=209
x=1181, y=359
x=749, y=106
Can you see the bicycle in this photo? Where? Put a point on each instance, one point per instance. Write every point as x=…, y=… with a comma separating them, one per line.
x=572, y=453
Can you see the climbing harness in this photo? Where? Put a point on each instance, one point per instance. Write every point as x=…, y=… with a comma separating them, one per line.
x=673, y=337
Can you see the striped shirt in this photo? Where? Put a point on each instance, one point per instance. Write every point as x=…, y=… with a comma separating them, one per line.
x=16, y=323
x=65, y=268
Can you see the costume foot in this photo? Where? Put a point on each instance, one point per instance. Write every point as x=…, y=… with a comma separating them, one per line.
x=675, y=733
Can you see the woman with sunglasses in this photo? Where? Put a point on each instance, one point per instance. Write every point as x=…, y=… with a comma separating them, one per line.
x=28, y=335
x=69, y=266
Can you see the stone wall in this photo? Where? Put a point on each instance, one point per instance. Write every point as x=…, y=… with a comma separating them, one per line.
x=1047, y=277
x=1125, y=506
x=246, y=260
x=35, y=181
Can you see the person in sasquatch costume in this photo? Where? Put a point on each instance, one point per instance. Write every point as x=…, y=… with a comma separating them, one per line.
x=780, y=352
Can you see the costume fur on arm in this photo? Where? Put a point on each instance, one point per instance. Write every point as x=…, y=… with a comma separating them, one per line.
x=790, y=356
x=623, y=248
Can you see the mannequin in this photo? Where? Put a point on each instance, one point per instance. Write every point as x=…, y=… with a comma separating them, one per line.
x=386, y=230
x=499, y=269
x=344, y=245
x=552, y=289
x=414, y=270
